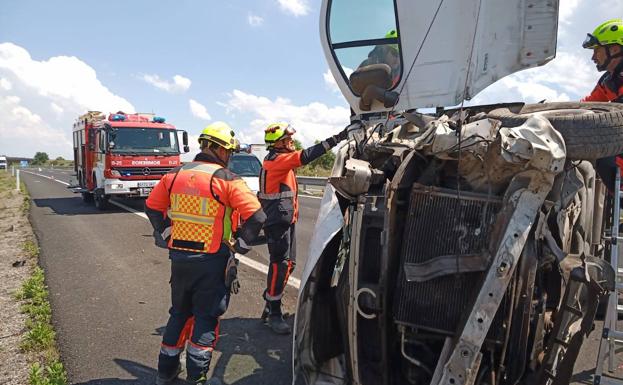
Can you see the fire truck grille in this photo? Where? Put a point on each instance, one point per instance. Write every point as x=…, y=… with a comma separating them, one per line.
x=439, y=224
x=143, y=171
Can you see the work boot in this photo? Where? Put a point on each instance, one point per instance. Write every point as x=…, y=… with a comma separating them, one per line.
x=265, y=314
x=161, y=379
x=203, y=381
x=278, y=324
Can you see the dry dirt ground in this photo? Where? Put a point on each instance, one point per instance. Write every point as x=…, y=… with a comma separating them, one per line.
x=15, y=268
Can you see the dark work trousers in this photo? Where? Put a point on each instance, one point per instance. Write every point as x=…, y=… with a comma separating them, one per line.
x=281, y=242
x=606, y=169
x=197, y=290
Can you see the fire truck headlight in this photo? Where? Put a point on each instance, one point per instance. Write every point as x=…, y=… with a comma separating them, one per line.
x=115, y=173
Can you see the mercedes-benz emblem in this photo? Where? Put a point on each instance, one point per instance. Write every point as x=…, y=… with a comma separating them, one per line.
x=146, y=171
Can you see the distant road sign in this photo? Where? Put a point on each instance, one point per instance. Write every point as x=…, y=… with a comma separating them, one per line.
x=23, y=163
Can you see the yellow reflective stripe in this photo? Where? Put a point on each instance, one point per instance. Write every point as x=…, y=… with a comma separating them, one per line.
x=200, y=219
x=227, y=224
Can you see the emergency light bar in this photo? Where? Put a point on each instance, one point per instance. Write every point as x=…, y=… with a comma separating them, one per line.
x=117, y=117
x=158, y=119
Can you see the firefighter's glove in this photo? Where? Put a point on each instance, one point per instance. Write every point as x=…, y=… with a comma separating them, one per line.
x=231, y=275
x=161, y=239
x=241, y=246
x=342, y=135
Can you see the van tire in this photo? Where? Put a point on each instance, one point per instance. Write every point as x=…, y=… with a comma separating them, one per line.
x=87, y=197
x=101, y=200
x=591, y=130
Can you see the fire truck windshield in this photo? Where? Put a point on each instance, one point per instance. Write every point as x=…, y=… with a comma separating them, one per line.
x=143, y=140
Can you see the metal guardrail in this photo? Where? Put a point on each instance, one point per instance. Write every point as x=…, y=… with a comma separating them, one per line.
x=311, y=180
x=304, y=181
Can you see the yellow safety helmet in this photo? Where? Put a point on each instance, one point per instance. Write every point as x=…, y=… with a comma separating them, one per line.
x=392, y=34
x=221, y=134
x=609, y=32
x=277, y=131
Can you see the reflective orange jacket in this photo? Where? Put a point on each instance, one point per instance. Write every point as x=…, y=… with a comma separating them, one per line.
x=609, y=88
x=200, y=198
x=278, y=187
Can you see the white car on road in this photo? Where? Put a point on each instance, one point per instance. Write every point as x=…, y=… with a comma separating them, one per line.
x=248, y=167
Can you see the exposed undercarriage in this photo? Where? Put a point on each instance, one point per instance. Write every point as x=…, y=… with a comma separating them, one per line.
x=457, y=249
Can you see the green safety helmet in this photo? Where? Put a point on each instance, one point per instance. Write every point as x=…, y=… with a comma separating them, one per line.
x=609, y=32
x=392, y=34
x=221, y=134
x=277, y=131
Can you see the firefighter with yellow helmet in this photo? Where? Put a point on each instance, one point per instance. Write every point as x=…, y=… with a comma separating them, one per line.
x=606, y=41
x=191, y=212
x=278, y=196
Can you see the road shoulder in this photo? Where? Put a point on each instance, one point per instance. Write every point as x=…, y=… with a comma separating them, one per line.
x=16, y=267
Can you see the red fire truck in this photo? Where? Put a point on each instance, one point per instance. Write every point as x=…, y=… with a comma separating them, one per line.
x=122, y=155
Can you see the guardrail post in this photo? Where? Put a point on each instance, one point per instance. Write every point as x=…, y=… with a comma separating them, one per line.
x=17, y=181
x=12, y=170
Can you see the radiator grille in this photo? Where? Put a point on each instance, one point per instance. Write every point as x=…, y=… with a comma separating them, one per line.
x=439, y=224
x=133, y=171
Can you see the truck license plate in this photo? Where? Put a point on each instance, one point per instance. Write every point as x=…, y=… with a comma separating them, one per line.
x=144, y=191
x=146, y=184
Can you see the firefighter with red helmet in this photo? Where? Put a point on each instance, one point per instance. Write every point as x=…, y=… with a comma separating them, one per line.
x=606, y=41
x=191, y=210
x=278, y=196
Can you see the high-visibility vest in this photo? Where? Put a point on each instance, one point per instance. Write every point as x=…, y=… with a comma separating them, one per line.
x=199, y=222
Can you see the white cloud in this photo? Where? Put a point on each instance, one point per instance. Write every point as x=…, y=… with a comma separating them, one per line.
x=295, y=7
x=179, y=83
x=255, y=20
x=198, y=110
x=314, y=121
x=5, y=84
x=329, y=81
x=56, y=108
x=58, y=89
x=566, y=10
x=551, y=82
x=24, y=132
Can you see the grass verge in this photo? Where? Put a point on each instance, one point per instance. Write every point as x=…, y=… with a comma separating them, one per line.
x=39, y=338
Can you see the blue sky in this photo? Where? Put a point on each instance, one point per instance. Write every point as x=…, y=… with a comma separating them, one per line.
x=247, y=62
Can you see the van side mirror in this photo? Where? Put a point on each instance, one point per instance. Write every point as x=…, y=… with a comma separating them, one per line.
x=371, y=83
x=185, y=141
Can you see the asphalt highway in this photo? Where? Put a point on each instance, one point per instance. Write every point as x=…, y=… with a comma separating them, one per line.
x=110, y=294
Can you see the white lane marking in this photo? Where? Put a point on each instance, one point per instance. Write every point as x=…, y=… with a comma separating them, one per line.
x=309, y=196
x=294, y=282
x=45, y=176
x=262, y=268
x=130, y=209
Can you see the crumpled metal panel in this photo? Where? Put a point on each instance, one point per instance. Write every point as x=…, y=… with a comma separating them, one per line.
x=540, y=148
